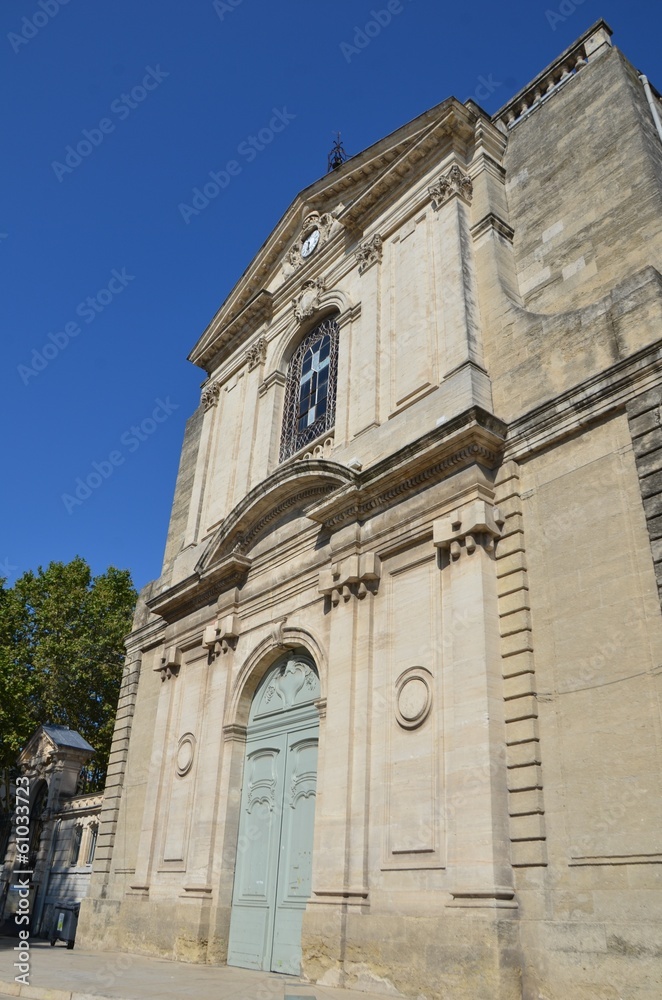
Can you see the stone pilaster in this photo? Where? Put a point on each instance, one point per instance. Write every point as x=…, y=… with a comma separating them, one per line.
x=478, y=857
x=116, y=769
x=525, y=797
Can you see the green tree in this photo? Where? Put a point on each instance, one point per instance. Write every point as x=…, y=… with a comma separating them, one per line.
x=61, y=655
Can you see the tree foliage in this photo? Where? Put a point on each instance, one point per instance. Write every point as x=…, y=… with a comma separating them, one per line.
x=61, y=655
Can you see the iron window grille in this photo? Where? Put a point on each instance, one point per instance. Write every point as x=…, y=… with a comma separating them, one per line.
x=92, y=844
x=310, y=392
x=75, y=846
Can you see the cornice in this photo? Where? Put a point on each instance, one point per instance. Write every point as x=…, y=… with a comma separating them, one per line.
x=475, y=436
x=254, y=313
x=330, y=494
x=293, y=483
x=224, y=562
x=558, y=72
x=455, y=127
x=584, y=404
x=144, y=638
x=196, y=591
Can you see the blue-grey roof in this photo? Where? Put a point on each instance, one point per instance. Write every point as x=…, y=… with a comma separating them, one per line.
x=65, y=737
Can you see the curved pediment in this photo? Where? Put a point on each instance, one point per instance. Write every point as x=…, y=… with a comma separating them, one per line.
x=291, y=487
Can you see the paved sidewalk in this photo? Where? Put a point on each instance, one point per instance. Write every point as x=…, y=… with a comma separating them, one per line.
x=59, y=974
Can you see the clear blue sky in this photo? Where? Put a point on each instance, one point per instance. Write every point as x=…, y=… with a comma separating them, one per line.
x=208, y=77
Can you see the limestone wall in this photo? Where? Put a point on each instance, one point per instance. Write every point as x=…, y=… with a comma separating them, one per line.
x=465, y=555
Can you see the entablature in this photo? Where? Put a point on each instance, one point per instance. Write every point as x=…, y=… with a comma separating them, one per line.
x=475, y=436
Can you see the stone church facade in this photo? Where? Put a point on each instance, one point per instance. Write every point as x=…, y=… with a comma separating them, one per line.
x=390, y=716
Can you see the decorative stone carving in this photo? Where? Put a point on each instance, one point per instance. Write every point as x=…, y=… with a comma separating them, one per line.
x=313, y=221
x=455, y=182
x=369, y=253
x=306, y=303
x=476, y=524
x=286, y=685
x=170, y=663
x=256, y=355
x=278, y=634
x=223, y=635
x=413, y=697
x=210, y=395
x=322, y=449
x=185, y=754
x=355, y=576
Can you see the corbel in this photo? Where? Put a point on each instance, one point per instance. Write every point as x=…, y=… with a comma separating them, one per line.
x=478, y=523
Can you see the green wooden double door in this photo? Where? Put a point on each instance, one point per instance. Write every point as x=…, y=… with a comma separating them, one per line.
x=274, y=849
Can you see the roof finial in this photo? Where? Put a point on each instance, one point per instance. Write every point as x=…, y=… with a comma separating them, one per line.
x=337, y=156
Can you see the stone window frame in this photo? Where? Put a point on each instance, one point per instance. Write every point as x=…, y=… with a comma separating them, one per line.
x=76, y=845
x=91, y=844
x=293, y=439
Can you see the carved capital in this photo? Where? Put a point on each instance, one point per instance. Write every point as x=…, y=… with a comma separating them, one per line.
x=210, y=395
x=356, y=576
x=306, y=303
x=369, y=253
x=454, y=182
x=476, y=524
x=256, y=355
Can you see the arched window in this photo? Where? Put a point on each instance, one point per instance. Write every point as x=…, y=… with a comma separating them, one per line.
x=310, y=393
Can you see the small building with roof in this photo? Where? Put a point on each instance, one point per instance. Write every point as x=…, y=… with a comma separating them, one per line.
x=61, y=832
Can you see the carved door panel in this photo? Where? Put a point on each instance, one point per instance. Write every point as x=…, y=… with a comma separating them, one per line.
x=258, y=848
x=296, y=850
x=273, y=869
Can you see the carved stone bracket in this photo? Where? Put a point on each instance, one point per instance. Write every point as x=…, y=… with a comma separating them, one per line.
x=355, y=576
x=369, y=253
x=170, y=663
x=210, y=395
x=454, y=182
x=476, y=524
x=315, y=220
x=256, y=355
x=306, y=303
x=222, y=635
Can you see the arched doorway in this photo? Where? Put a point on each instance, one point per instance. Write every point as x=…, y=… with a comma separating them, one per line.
x=274, y=848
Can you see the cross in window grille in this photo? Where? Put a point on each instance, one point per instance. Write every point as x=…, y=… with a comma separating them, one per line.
x=310, y=394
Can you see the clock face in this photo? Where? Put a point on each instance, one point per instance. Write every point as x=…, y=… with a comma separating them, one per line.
x=310, y=243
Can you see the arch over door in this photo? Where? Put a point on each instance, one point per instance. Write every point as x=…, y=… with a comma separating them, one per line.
x=274, y=848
